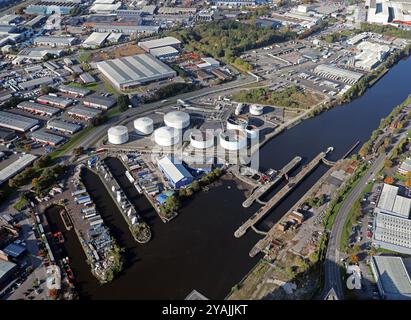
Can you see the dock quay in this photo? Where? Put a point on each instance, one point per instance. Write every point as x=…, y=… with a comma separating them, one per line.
x=259, y=192
x=256, y=217
x=138, y=228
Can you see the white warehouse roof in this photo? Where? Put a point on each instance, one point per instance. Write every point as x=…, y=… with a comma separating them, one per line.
x=392, y=202
x=16, y=122
x=96, y=39
x=16, y=166
x=162, y=42
x=134, y=70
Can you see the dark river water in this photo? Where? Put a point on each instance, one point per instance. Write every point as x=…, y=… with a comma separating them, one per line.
x=197, y=250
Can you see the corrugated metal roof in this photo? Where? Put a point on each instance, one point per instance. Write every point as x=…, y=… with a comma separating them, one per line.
x=387, y=198
x=175, y=171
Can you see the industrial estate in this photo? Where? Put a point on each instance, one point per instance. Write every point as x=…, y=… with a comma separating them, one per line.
x=223, y=149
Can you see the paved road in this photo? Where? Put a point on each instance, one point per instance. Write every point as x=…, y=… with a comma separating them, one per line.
x=332, y=258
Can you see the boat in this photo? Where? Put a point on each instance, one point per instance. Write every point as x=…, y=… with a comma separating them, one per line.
x=59, y=237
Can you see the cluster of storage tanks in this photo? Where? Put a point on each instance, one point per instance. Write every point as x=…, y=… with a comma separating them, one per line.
x=234, y=137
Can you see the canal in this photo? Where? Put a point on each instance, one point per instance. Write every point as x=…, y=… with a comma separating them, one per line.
x=197, y=250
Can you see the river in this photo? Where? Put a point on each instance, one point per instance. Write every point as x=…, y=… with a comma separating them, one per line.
x=197, y=250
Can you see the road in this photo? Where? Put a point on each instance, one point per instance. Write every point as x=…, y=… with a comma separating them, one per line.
x=332, y=258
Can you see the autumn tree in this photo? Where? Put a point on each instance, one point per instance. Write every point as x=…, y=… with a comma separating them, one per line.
x=389, y=180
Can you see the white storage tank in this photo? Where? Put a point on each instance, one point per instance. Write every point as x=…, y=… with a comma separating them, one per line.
x=117, y=135
x=177, y=119
x=201, y=139
x=237, y=123
x=256, y=110
x=233, y=140
x=144, y=126
x=166, y=136
x=252, y=132
x=239, y=109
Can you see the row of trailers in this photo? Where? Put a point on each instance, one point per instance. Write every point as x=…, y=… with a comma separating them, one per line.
x=89, y=212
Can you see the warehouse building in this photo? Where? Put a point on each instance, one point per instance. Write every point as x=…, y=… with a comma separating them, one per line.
x=55, y=101
x=164, y=52
x=16, y=167
x=371, y=55
x=16, y=122
x=175, y=172
x=158, y=43
x=38, y=108
x=392, y=225
x=83, y=113
x=125, y=28
x=7, y=269
x=63, y=126
x=77, y=92
x=131, y=72
x=46, y=138
x=87, y=78
x=392, y=277
x=339, y=74
x=99, y=102
x=54, y=41
x=50, y=7
x=35, y=83
x=95, y=40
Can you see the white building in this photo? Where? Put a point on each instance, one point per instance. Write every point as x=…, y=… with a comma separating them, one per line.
x=392, y=225
x=371, y=55
x=388, y=11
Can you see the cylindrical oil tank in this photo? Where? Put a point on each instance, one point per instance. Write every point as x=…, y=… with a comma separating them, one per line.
x=201, y=139
x=233, y=139
x=256, y=110
x=237, y=123
x=252, y=132
x=166, y=136
x=144, y=126
x=177, y=119
x=117, y=135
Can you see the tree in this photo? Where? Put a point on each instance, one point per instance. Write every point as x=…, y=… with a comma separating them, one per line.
x=123, y=102
x=353, y=259
x=78, y=151
x=47, y=89
x=389, y=180
x=408, y=183
x=27, y=147
x=363, y=151
x=387, y=163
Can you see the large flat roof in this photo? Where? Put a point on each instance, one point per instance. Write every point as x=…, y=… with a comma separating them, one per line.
x=84, y=111
x=46, y=137
x=162, y=42
x=32, y=106
x=15, y=167
x=5, y=267
x=392, y=275
x=134, y=70
x=175, y=171
x=16, y=122
x=387, y=197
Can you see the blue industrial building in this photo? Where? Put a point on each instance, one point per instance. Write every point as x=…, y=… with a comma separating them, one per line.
x=175, y=172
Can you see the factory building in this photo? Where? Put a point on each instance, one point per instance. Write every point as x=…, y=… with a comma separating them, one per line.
x=36, y=83
x=405, y=167
x=83, y=113
x=50, y=7
x=208, y=64
x=392, y=277
x=392, y=225
x=131, y=72
x=55, y=101
x=54, y=41
x=339, y=74
x=77, y=92
x=117, y=135
x=236, y=3
x=371, y=55
x=63, y=126
x=99, y=102
x=177, y=119
x=15, y=167
x=95, y=40
x=38, y=108
x=7, y=270
x=46, y=138
x=16, y=122
x=175, y=172
x=87, y=78
x=159, y=43
x=125, y=28
x=388, y=11
x=164, y=52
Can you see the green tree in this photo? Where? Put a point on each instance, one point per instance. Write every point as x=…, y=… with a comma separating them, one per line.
x=123, y=102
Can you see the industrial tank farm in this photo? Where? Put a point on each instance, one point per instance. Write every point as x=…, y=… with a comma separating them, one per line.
x=144, y=126
x=256, y=110
x=117, y=135
x=177, y=119
x=166, y=136
x=233, y=140
x=201, y=139
x=252, y=132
